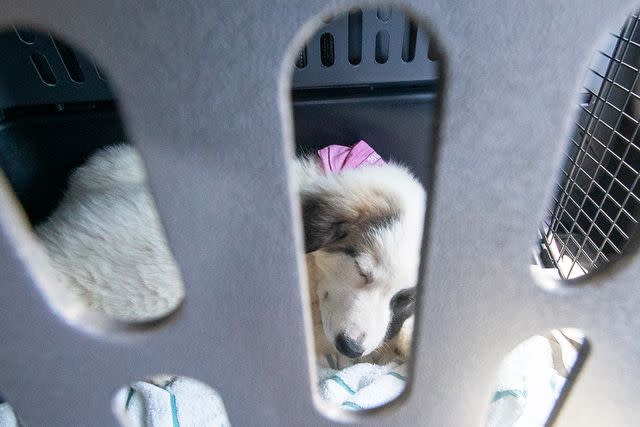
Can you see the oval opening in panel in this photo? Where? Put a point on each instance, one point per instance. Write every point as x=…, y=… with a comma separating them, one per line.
x=96, y=247
x=169, y=400
x=364, y=135
x=535, y=377
x=595, y=209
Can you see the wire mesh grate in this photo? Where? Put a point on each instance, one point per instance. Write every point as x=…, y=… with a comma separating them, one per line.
x=596, y=205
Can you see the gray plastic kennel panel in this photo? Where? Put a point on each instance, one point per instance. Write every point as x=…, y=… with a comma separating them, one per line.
x=199, y=85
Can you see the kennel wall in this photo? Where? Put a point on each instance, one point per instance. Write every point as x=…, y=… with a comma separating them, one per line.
x=202, y=91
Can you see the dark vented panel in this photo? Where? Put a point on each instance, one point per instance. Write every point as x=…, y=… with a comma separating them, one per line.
x=597, y=204
x=39, y=70
x=370, y=47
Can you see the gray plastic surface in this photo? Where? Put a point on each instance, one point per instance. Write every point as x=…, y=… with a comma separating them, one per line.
x=204, y=92
x=420, y=69
x=20, y=84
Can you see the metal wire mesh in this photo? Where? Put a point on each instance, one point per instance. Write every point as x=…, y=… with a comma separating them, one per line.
x=596, y=206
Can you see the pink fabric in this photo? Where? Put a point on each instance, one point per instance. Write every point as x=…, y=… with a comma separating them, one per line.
x=335, y=158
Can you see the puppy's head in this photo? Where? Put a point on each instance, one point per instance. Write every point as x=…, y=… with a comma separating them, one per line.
x=364, y=230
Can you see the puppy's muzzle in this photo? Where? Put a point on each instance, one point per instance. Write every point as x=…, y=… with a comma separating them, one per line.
x=348, y=346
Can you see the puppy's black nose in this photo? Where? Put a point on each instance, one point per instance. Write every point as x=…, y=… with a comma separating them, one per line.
x=348, y=346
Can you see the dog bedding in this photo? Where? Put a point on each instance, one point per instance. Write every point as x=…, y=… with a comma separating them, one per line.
x=361, y=385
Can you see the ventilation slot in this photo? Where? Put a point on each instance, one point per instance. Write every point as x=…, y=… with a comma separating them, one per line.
x=301, y=60
x=409, y=41
x=100, y=73
x=382, y=47
x=26, y=36
x=384, y=13
x=69, y=60
x=432, y=53
x=355, y=36
x=43, y=69
x=327, y=52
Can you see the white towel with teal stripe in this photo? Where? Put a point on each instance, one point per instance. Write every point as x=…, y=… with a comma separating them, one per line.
x=360, y=386
x=169, y=401
x=7, y=417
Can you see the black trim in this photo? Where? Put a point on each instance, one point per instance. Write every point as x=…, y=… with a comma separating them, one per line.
x=337, y=92
x=13, y=113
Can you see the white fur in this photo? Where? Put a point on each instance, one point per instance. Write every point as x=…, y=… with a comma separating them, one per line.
x=106, y=243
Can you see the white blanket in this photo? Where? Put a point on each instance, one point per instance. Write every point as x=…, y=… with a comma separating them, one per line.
x=169, y=401
x=7, y=417
x=360, y=386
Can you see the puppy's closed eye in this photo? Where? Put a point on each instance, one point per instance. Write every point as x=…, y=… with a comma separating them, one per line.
x=365, y=273
x=368, y=277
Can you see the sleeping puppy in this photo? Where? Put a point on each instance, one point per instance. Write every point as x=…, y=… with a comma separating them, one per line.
x=363, y=233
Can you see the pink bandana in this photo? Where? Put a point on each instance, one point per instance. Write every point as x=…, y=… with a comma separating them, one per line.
x=335, y=158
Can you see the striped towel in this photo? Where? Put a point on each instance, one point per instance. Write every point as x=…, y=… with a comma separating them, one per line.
x=169, y=401
x=362, y=385
x=532, y=377
x=7, y=416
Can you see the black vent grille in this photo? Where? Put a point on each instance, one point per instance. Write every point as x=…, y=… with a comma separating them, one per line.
x=38, y=69
x=366, y=47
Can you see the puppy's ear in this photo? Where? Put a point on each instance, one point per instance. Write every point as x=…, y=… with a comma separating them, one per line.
x=329, y=217
x=402, y=307
x=323, y=223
